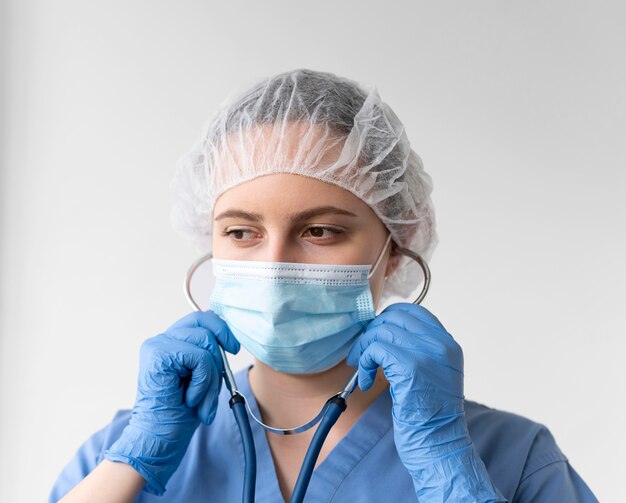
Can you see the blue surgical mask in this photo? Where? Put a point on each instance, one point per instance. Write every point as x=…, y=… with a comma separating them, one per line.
x=297, y=318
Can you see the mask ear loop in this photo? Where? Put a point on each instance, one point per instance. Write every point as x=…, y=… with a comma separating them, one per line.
x=380, y=257
x=412, y=255
x=352, y=382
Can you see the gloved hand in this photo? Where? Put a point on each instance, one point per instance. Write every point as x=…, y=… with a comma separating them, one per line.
x=424, y=367
x=180, y=375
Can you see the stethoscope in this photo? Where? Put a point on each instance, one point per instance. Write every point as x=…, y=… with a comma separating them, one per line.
x=326, y=417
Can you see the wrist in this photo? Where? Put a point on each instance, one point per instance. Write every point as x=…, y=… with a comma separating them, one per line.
x=155, y=456
x=459, y=476
x=153, y=485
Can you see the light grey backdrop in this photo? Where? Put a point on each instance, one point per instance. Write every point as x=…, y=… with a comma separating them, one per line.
x=516, y=108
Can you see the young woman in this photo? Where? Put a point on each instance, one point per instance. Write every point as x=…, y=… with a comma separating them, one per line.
x=307, y=192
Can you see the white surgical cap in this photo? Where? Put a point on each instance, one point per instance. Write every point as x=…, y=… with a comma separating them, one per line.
x=345, y=135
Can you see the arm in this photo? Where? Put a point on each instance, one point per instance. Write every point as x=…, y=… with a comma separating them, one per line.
x=110, y=482
x=424, y=367
x=178, y=385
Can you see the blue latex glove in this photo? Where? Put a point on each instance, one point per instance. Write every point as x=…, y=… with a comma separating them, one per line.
x=424, y=367
x=180, y=375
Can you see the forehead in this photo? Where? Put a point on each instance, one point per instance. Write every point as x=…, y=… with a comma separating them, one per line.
x=299, y=145
x=282, y=194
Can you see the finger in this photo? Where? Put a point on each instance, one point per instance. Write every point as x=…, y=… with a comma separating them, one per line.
x=443, y=349
x=208, y=404
x=389, y=333
x=415, y=310
x=204, y=377
x=380, y=354
x=418, y=330
x=198, y=336
x=366, y=377
x=367, y=374
x=212, y=322
x=406, y=322
x=364, y=340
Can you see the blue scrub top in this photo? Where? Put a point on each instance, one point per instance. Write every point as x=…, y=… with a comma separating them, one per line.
x=521, y=457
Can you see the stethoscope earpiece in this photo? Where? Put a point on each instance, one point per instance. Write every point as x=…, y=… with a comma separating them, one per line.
x=425, y=270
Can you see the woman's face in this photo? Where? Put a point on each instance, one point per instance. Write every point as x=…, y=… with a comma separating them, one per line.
x=293, y=218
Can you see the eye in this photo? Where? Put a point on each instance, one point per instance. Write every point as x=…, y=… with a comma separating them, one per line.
x=322, y=233
x=239, y=234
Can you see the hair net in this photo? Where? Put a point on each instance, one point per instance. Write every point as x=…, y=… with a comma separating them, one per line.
x=340, y=132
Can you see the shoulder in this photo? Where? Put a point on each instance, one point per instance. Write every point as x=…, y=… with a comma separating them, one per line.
x=512, y=447
x=485, y=421
x=498, y=433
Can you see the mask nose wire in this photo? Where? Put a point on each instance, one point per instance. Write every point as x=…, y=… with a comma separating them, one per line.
x=380, y=257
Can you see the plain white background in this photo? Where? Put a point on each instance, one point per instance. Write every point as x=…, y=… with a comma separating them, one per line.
x=516, y=108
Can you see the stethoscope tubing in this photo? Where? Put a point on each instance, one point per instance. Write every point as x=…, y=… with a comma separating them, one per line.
x=327, y=417
x=249, y=451
x=335, y=408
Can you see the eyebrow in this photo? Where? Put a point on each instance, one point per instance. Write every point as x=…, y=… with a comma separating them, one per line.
x=296, y=217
